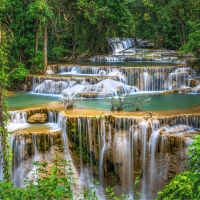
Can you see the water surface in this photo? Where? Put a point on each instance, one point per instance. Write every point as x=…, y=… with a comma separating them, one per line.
x=158, y=102
x=28, y=99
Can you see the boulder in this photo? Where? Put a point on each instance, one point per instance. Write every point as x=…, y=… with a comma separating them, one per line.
x=38, y=118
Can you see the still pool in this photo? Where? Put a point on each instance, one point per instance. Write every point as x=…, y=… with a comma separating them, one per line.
x=158, y=102
x=27, y=99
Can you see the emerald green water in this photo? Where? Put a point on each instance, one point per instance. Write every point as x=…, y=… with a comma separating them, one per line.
x=158, y=102
x=26, y=99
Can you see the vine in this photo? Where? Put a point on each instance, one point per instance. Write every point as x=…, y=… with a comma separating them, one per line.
x=4, y=134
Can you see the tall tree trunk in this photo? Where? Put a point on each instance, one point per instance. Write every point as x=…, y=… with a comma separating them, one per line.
x=45, y=45
x=36, y=42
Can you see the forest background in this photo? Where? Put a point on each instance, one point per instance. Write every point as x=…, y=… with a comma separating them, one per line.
x=38, y=32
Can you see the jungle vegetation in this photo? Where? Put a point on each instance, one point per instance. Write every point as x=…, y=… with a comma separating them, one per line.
x=39, y=32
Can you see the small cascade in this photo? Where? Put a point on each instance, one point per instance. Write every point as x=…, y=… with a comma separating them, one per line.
x=145, y=81
x=17, y=117
x=28, y=145
x=61, y=121
x=36, y=157
x=126, y=44
x=102, y=134
x=195, y=90
x=177, y=79
x=70, y=70
x=18, y=147
x=144, y=125
x=155, y=125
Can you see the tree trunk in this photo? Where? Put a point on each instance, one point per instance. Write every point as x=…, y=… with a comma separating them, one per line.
x=45, y=46
x=36, y=42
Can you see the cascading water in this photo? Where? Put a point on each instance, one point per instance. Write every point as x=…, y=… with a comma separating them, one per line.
x=177, y=79
x=25, y=146
x=130, y=147
x=152, y=149
x=144, y=125
x=102, y=81
x=118, y=148
x=103, y=147
x=123, y=44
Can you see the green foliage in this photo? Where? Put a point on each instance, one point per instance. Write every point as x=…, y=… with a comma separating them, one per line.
x=110, y=194
x=137, y=102
x=121, y=102
x=39, y=9
x=186, y=185
x=193, y=43
x=183, y=186
x=194, y=155
x=38, y=60
x=56, y=183
x=117, y=103
x=96, y=118
x=4, y=134
x=83, y=26
x=70, y=101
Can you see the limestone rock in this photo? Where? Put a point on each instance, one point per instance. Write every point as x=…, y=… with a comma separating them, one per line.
x=38, y=118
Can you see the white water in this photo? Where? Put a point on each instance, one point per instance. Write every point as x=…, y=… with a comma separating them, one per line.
x=195, y=90
x=103, y=147
x=103, y=88
x=143, y=126
x=152, y=148
x=126, y=137
x=109, y=79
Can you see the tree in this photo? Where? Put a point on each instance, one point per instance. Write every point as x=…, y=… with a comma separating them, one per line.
x=121, y=102
x=40, y=11
x=193, y=43
x=69, y=101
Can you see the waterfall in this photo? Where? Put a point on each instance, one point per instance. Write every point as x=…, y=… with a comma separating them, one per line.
x=138, y=144
x=36, y=157
x=96, y=78
x=155, y=125
x=18, y=160
x=103, y=147
x=122, y=44
x=144, y=81
x=119, y=149
x=177, y=78
x=17, y=117
x=195, y=90
x=143, y=126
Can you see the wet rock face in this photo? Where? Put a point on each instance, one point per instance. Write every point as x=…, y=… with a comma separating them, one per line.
x=192, y=82
x=123, y=148
x=25, y=145
x=38, y=118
